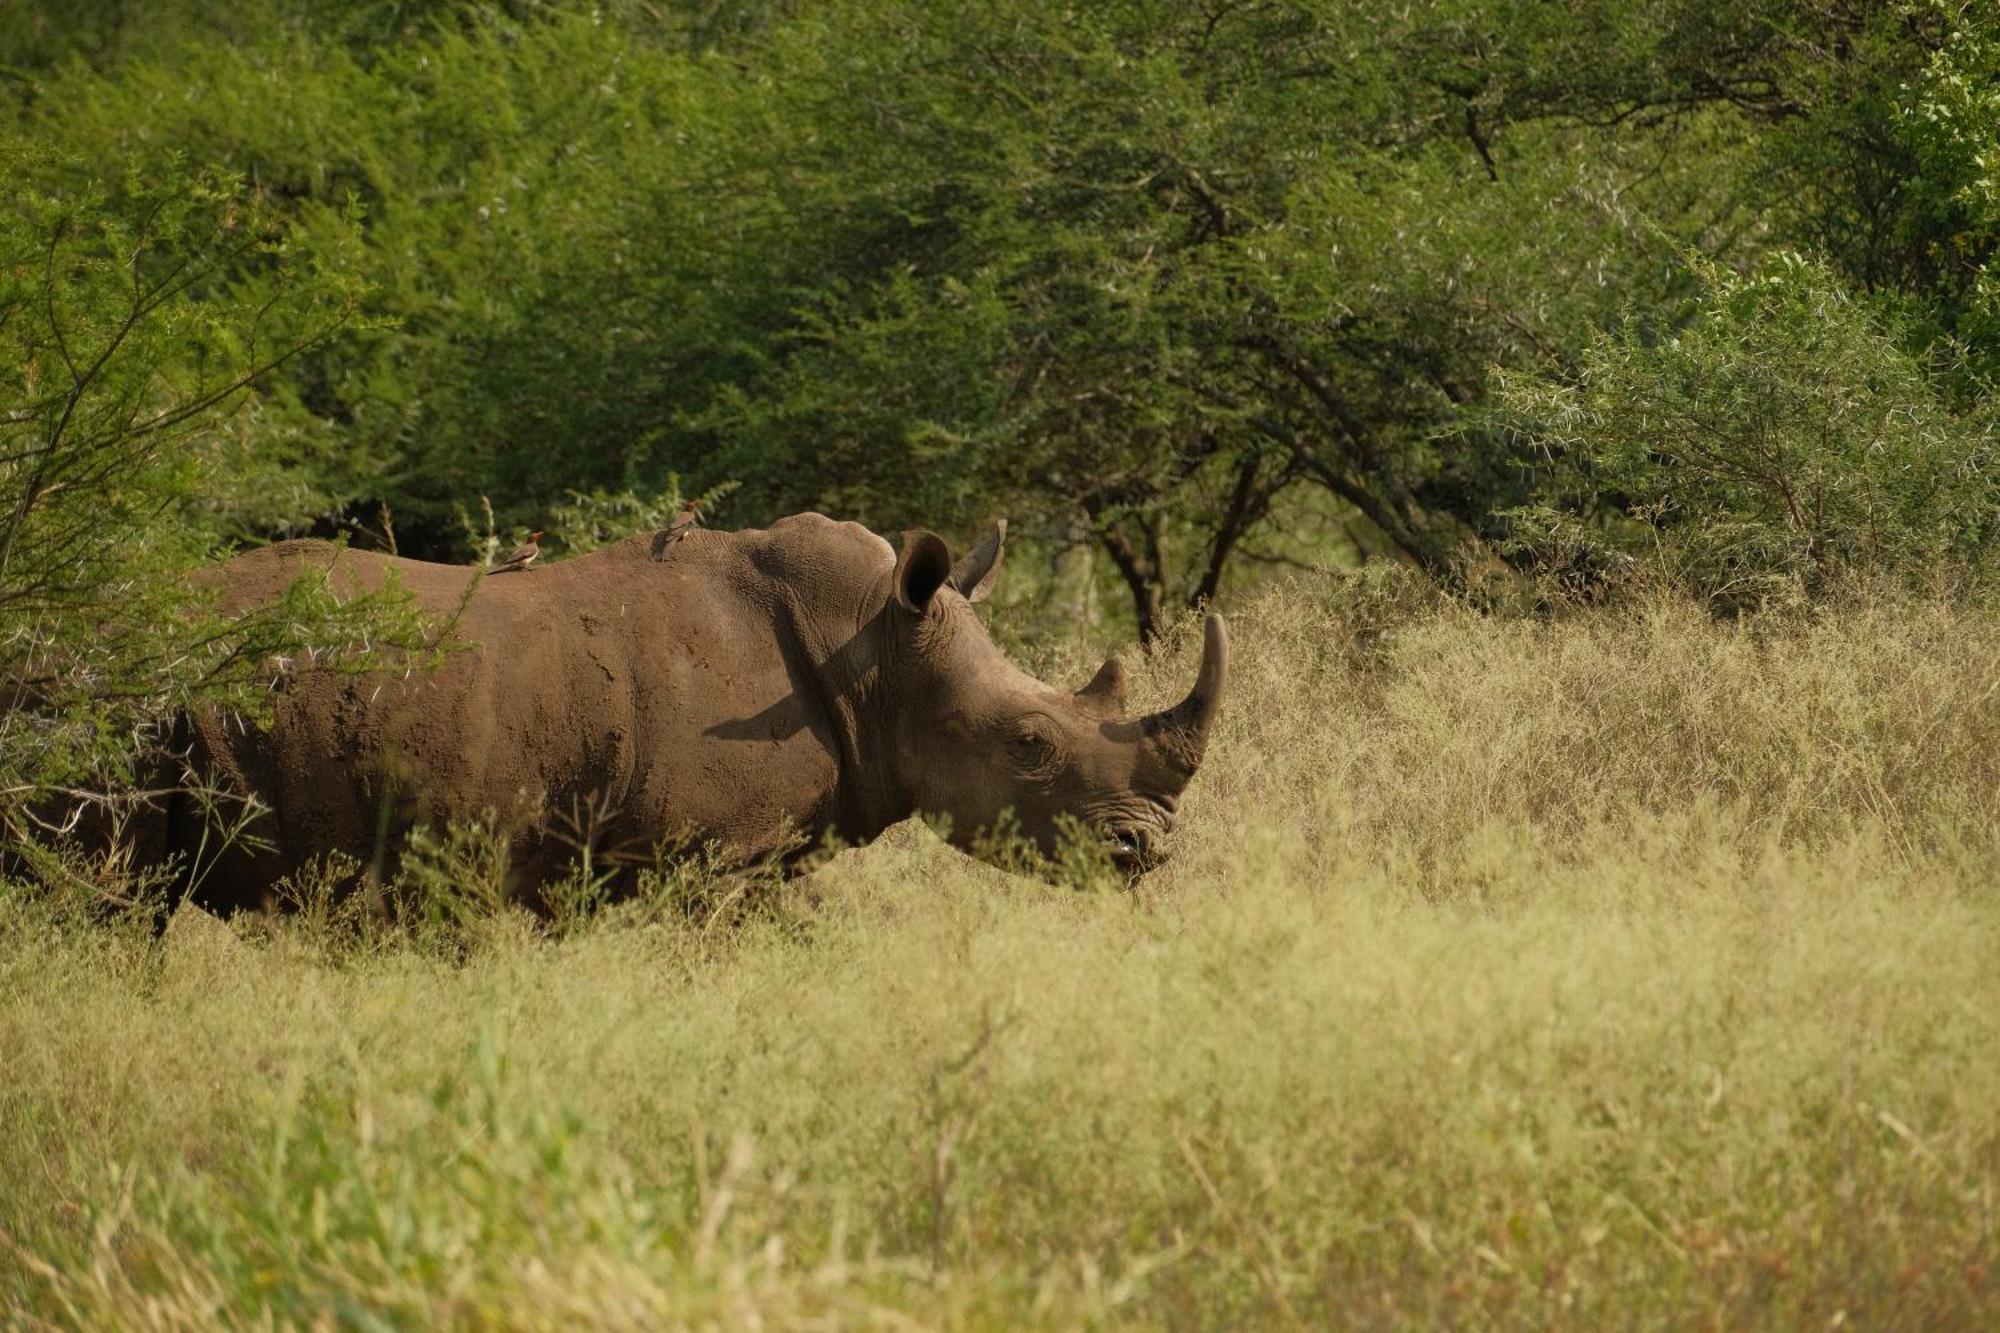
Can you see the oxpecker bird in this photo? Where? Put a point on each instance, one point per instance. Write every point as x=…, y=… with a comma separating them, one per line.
x=688, y=519
x=527, y=553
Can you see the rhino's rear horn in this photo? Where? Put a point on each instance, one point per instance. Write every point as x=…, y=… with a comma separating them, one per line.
x=1107, y=686
x=1179, y=735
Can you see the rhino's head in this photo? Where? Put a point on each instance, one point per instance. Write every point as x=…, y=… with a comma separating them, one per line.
x=976, y=739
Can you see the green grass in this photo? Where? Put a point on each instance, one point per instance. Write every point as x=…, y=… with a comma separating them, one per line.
x=1623, y=969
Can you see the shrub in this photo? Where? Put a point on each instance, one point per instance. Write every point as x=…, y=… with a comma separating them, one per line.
x=1775, y=435
x=135, y=319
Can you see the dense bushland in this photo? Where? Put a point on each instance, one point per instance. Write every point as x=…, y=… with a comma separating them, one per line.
x=1187, y=285
x=1628, y=967
x=1191, y=293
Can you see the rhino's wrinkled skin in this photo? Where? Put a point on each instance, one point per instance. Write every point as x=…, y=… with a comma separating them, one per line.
x=748, y=688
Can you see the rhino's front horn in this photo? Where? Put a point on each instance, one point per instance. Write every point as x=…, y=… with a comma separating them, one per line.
x=1180, y=734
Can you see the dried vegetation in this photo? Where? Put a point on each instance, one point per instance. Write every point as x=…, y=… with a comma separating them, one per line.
x=1623, y=967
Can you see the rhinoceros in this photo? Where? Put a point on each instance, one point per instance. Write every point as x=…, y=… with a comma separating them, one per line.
x=758, y=690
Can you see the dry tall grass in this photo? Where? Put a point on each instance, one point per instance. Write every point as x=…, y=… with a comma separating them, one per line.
x=1623, y=968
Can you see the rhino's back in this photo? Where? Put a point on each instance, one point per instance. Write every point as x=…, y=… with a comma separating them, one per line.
x=645, y=684
x=813, y=563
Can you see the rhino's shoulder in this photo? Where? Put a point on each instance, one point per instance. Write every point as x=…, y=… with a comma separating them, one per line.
x=293, y=554
x=817, y=536
x=803, y=560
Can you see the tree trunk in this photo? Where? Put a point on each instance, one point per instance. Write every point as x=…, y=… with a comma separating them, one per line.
x=1143, y=579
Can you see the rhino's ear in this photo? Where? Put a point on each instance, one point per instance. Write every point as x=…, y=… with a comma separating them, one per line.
x=973, y=575
x=923, y=566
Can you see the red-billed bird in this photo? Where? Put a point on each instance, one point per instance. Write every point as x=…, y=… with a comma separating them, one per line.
x=527, y=553
x=688, y=519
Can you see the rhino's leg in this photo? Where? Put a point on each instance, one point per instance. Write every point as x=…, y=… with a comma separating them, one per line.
x=223, y=867
x=230, y=846
x=116, y=847
x=592, y=860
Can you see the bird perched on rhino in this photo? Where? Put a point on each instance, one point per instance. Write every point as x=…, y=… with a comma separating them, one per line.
x=527, y=553
x=686, y=521
x=683, y=523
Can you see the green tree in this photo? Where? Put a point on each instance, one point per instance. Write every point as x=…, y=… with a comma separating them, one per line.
x=1891, y=165
x=552, y=216
x=1775, y=437
x=1149, y=272
x=1188, y=284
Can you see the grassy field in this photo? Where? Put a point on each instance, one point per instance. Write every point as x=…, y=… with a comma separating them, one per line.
x=1625, y=968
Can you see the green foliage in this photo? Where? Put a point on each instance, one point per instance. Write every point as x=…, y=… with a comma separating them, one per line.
x=587, y=522
x=134, y=320
x=1887, y=167
x=1074, y=270
x=1777, y=436
x=1951, y=120
x=1201, y=290
x=513, y=194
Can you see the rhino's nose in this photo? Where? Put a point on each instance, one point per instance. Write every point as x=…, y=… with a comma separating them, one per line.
x=1134, y=846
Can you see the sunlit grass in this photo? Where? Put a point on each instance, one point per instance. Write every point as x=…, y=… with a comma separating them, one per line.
x=1622, y=969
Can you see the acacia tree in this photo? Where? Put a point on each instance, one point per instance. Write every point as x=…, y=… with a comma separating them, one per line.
x=1148, y=272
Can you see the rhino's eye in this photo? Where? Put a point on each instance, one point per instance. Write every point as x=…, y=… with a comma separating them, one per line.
x=1033, y=751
